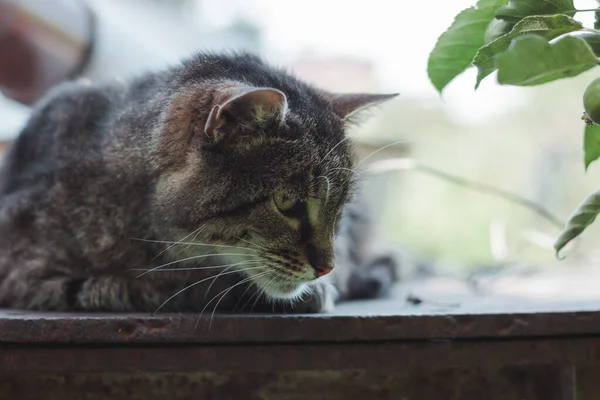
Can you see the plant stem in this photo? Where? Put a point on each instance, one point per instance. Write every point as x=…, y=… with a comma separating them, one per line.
x=409, y=164
x=588, y=10
x=485, y=188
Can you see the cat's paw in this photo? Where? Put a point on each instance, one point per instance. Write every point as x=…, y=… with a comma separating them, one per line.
x=321, y=299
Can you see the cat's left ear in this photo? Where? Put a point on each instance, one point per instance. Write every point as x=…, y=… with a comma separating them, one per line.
x=245, y=108
x=349, y=105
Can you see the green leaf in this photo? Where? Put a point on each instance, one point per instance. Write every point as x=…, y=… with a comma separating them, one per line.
x=591, y=37
x=531, y=60
x=519, y=9
x=455, y=48
x=591, y=144
x=583, y=217
x=548, y=27
x=496, y=28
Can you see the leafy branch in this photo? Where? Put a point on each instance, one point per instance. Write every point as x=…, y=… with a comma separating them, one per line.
x=528, y=42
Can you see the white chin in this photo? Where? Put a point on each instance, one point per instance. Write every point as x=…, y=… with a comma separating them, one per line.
x=285, y=290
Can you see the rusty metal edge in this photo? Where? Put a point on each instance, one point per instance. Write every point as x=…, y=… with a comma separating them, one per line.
x=127, y=329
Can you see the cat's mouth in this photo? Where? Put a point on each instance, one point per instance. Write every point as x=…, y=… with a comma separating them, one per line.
x=277, y=287
x=285, y=290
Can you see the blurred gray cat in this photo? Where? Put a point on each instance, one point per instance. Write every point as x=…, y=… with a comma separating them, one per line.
x=215, y=184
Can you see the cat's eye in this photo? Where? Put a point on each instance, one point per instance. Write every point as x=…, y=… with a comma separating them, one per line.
x=284, y=201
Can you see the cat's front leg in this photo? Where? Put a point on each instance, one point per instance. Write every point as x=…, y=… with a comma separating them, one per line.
x=322, y=298
x=56, y=291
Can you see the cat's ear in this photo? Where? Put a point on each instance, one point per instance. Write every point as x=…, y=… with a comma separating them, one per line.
x=245, y=109
x=348, y=105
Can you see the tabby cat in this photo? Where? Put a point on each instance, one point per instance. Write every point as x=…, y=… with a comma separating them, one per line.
x=217, y=184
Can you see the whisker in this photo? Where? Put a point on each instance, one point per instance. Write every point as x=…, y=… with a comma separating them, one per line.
x=345, y=169
x=194, y=284
x=194, y=244
x=259, y=290
x=241, y=297
x=391, y=164
x=188, y=259
x=226, y=291
x=253, y=244
x=380, y=149
x=195, y=268
x=328, y=186
x=212, y=315
x=217, y=277
x=267, y=285
x=333, y=148
x=187, y=247
x=263, y=292
x=174, y=244
x=336, y=220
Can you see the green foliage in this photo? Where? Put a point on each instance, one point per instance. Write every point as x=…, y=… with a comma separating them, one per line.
x=591, y=144
x=456, y=47
x=531, y=60
x=529, y=42
x=496, y=28
x=547, y=26
x=519, y=9
x=582, y=218
x=590, y=36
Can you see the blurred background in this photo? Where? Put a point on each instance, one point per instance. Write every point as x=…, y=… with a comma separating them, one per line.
x=523, y=140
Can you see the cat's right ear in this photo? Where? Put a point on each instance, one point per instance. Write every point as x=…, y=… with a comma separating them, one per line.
x=348, y=106
x=241, y=112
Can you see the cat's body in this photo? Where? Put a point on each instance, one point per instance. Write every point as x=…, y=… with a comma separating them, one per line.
x=222, y=165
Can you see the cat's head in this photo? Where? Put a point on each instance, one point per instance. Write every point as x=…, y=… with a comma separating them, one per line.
x=260, y=168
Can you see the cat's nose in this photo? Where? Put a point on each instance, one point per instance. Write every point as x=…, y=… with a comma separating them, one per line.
x=322, y=270
x=317, y=260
